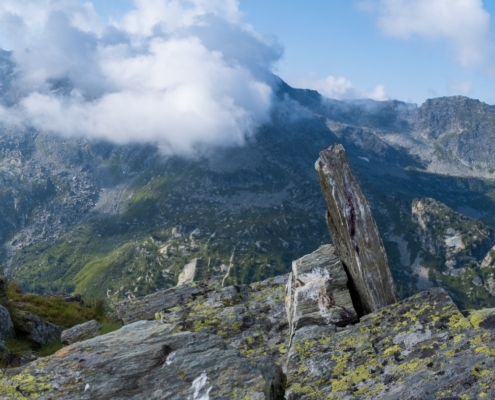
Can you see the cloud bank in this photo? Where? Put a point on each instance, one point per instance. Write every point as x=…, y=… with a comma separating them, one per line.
x=341, y=88
x=183, y=74
x=464, y=24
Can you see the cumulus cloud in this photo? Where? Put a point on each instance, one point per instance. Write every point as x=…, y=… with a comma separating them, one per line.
x=464, y=24
x=341, y=88
x=180, y=73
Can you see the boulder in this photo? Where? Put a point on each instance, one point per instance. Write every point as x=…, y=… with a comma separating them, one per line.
x=80, y=332
x=6, y=325
x=354, y=232
x=34, y=328
x=145, y=360
x=317, y=292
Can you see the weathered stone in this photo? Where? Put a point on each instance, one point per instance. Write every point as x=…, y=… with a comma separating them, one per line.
x=145, y=360
x=80, y=332
x=3, y=288
x=251, y=319
x=36, y=329
x=6, y=325
x=354, y=232
x=421, y=348
x=317, y=292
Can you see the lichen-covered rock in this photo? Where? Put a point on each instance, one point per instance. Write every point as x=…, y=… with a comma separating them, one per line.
x=421, y=348
x=34, y=328
x=145, y=360
x=354, y=232
x=250, y=318
x=317, y=292
x=80, y=332
x=6, y=325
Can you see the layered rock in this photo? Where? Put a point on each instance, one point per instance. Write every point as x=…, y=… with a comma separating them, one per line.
x=421, y=348
x=80, y=332
x=317, y=292
x=145, y=360
x=354, y=232
x=250, y=318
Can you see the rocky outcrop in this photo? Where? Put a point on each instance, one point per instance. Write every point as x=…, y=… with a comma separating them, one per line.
x=317, y=292
x=3, y=288
x=6, y=325
x=35, y=329
x=145, y=360
x=354, y=232
x=251, y=319
x=80, y=332
x=421, y=348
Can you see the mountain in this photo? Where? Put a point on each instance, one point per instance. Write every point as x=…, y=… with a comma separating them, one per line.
x=101, y=219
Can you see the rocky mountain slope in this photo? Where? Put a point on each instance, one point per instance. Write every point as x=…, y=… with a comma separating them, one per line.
x=125, y=221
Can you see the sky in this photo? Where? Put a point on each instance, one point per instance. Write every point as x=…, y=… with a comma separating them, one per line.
x=344, y=40
x=192, y=74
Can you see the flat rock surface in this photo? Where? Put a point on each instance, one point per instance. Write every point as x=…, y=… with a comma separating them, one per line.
x=250, y=318
x=422, y=348
x=144, y=360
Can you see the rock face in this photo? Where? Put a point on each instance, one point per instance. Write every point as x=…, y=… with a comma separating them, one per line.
x=3, y=288
x=145, y=360
x=6, y=325
x=80, y=332
x=35, y=328
x=421, y=348
x=251, y=319
x=317, y=291
x=354, y=232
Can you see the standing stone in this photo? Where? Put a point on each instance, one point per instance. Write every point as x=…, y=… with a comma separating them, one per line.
x=317, y=291
x=354, y=232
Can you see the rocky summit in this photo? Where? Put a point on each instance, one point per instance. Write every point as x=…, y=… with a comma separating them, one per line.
x=304, y=335
x=202, y=342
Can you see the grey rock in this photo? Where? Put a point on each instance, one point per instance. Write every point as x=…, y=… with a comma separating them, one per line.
x=34, y=328
x=3, y=288
x=6, y=325
x=317, y=291
x=80, y=332
x=251, y=319
x=145, y=360
x=354, y=232
x=421, y=348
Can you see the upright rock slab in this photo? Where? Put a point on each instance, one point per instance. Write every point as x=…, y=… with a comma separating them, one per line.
x=6, y=325
x=354, y=232
x=317, y=291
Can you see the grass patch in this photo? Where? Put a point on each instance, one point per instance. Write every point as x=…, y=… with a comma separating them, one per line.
x=49, y=349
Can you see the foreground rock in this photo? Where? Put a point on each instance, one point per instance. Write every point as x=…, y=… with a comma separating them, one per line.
x=251, y=319
x=145, y=360
x=421, y=348
x=6, y=325
x=80, y=332
x=354, y=232
x=317, y=291
x=35, y=329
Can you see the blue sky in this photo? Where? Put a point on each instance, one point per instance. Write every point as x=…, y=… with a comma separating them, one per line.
x=338, y=38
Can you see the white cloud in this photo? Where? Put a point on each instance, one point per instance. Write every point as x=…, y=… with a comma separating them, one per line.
x=182, y=74
x=340, y=88
x=465, y=24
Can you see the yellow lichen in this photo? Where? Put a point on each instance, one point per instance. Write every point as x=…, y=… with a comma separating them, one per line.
x=391, y=350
